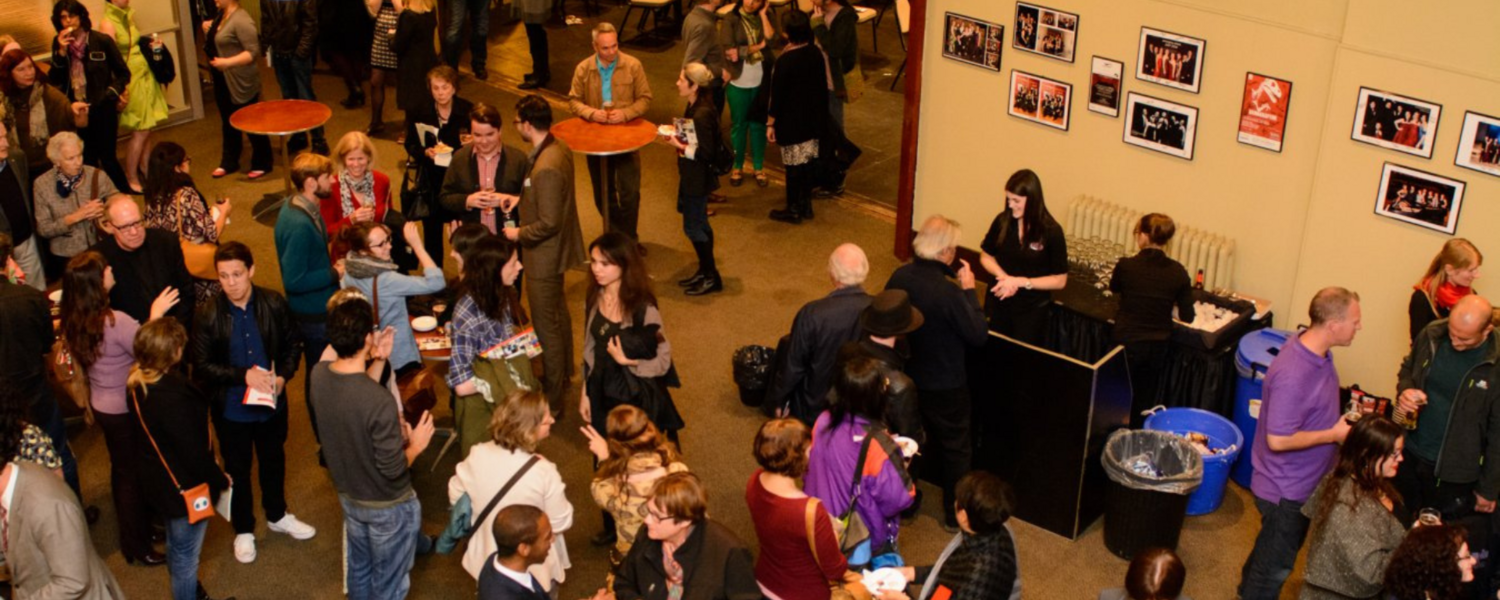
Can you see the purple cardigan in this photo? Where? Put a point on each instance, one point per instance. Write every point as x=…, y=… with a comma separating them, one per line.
x=886, y=488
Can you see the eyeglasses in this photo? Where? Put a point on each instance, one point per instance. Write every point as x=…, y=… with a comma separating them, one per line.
x=385, y=243
x=130, y=226
x=652, y=516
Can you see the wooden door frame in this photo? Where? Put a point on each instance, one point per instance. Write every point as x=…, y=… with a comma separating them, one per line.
x=910, y=127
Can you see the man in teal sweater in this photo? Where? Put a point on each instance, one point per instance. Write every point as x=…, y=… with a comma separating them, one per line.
x=306, y=270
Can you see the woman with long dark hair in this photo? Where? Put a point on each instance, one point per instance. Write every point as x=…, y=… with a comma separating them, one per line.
x=626, y=357
x=847, y=439
x=98, y=82
x=488, y=312
x=1354, y=527
x=1432, y=563
x=1447, y=280
x=33, y=113
x=100, y=340
x=175, y=452
x=1026, y=253
x=696, y=178
x=173, y=203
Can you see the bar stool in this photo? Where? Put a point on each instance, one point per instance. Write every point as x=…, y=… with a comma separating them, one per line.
x=651, y=8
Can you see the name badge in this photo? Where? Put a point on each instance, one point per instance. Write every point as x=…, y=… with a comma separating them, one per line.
x=96, y=56
x=528, y=182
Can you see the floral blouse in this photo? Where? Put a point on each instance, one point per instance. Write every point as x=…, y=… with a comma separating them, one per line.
x=197, y=226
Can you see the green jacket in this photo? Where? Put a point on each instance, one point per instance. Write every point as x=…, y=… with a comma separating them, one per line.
x=1468, y=453
x=306, y=270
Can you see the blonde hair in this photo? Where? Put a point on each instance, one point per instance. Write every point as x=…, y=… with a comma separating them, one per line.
x=158, y=345
x=345, y=295
x=937, y=235
x=1458, y=253
x=419, y=6
x=354, y=140
x=697, y=74
x=514, y=424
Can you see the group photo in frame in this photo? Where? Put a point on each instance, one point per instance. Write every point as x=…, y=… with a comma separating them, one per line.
x=1170, y=59
x=1050, y=33
x=1263, y=111
x=1105, y=77
x=1419, y=198
x=970, y=40
x=1040, y=100
x=1396, y=122
x=1159, y=125
x=1479, y=144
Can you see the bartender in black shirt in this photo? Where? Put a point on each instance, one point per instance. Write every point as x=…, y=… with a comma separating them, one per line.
x=1149, y=285
x=1026, y=252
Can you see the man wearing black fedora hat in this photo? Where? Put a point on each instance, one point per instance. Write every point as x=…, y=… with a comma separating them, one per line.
x=886, y=321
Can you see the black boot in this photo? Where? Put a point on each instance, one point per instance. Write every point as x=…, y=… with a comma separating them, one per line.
x=702, y=271
x=711, y=281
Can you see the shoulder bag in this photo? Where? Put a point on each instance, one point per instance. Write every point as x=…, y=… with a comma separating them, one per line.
x=460, y=528
x=850, y=527
x=199, y=256
x=70, y=377
x=851, y=588
x=199, y=506
x=416, y=197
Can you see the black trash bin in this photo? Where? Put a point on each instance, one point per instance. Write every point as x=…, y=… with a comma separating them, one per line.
x=752, y=369
x=1151, y=474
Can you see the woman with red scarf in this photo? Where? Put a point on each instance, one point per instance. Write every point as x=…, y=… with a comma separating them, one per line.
x=1447, y=280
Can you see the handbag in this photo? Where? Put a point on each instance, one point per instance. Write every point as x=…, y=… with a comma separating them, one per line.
x=460, y=527
x=849, y=527
x=851, y=588
x=159, y=59
x=854, y=84
x=416, y=199
x=198, y=256
x=70, y=377
x=415, y=386
x=199, y=506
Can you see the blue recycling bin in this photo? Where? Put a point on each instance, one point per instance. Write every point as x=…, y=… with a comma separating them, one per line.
x=1256, y=351
x=1221, y=434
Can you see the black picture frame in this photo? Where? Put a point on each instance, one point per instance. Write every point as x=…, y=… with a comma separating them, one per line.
x=1384, y=123
x=1046, y=26
x=1488, y=148
x=1036, y=109
x=1149, y=123
x=1264, y=109
x=1157, y=43
x=990, y=40
x=1414, y=209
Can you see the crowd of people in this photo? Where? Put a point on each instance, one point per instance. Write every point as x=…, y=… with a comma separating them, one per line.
x=166, y=343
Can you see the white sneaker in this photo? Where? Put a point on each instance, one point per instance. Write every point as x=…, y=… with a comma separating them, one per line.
x=244, y=548
x=293, y=527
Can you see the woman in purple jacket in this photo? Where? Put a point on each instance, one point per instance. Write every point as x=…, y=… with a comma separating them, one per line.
x=880, y=488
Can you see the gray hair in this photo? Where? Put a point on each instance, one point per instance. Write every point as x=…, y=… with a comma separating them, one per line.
x=848, y=265
x=602, y=27
x=937, y=235
x=55, y=146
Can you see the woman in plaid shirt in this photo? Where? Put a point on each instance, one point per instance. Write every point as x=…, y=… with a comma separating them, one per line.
x=488, y=312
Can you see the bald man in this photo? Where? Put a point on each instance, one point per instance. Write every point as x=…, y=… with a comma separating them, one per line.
x=805, y=359
x=1452, y=462
x=146, y=262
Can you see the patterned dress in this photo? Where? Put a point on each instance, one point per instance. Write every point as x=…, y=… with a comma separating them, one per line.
x=147, y=106
x=197, y=226
x=381, y=54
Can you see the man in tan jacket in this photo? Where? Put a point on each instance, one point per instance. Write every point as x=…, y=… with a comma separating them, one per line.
x=552, y=243
x=626, y=97
x=46, y=539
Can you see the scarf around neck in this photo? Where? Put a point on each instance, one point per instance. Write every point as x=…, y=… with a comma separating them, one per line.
x=30, y=101
x=363, y=266
x=66, y=185
x=1446, y=295
x=75, y=65
x=348, y=186
x=754, y=33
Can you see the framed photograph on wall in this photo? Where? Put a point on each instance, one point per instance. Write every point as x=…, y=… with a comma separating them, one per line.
x=970, y=40
x=1050, y=33
x=1170, y=59
x=1396, y=122
x=1419, y=198
x=1263, y=111
x=1159, y=125
x=1104, y=86
x=1479, y=144
x=1040, y=100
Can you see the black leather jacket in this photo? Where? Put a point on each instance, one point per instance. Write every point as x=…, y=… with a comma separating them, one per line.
x=210, y=343
x=901, y=415
x=104, y=70
x=289, y=27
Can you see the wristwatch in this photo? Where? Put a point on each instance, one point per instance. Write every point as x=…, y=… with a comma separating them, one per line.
x=1028, y=283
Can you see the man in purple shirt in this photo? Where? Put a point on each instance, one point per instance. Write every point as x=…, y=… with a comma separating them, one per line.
x=1297, y=441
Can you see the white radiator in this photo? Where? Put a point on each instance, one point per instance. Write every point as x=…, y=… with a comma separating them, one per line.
x=1194, y=248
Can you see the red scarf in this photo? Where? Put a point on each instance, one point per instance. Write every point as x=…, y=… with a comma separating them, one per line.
x=1447, y=294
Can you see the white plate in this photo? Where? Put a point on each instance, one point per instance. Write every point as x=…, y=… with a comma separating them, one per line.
x=908, y=445
x=666, y=130
x=55, y=297
x=424, y=324
x=884, y=578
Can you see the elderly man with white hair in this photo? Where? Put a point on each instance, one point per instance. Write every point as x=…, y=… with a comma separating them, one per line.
x=806, y=358
x=953, y=323
x=70, y=199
